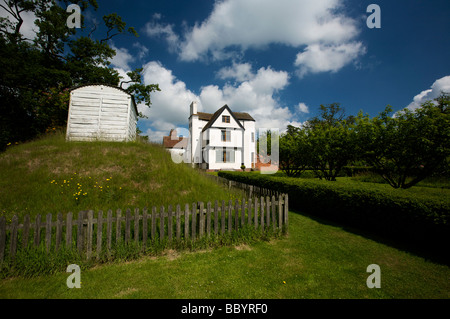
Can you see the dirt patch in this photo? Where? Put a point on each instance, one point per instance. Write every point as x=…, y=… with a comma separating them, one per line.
x=126, y=292
x=243, y=247
x=172, y=254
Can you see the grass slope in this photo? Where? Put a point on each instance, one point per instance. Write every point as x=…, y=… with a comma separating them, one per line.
x=51, y=175
x=316, y=260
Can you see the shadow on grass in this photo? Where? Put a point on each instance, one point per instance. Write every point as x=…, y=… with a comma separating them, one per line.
x=428, y=251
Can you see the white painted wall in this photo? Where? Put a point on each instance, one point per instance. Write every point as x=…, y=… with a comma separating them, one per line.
x=100, y=112
x=203, y=145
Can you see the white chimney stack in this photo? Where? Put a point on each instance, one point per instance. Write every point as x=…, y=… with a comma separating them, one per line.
x=193, y=108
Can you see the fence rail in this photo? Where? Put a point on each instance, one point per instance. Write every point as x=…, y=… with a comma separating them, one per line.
x=90, y=233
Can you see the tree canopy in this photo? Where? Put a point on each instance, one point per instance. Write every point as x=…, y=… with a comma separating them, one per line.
x=403, y=148
x=37, y=73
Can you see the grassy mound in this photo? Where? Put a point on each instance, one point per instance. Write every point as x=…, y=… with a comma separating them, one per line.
x=51, y=175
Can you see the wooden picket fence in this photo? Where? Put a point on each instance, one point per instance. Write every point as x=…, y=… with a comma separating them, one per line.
x=90, y=233
x=249, y=190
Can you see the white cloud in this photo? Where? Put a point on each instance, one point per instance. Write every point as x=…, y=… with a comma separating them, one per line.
x=238, y=71
x=160, y=30
x=439, y=86
x=257, y=23
x=28, y=28
x=170, y=106
x=257, y=96
x=142, y=50
x=122, y=58
x=327, y=58
x=303, y=108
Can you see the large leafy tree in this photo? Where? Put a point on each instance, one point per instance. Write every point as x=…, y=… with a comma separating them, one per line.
x=330, y=141
x=294, y=151
x=409, y=146
x=36, y=73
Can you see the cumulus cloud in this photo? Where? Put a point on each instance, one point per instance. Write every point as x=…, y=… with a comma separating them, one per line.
x=156, y=29
x=327, y=58
x=238, y=71
x=439, y=86
x=122, y=58
x=303, y=108
x=256, y=95
x=257, y=23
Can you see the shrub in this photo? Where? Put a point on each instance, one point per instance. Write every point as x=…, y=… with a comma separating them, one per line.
x=419, y=217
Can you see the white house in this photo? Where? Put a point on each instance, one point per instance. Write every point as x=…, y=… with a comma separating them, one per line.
x=223, y=140
x=101, y=112
x=175, y=145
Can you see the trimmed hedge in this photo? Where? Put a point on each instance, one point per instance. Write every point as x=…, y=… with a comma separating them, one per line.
x=422, y=218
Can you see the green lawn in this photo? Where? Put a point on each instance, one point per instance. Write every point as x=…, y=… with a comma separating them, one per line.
x=50, y=175
x=316, y=260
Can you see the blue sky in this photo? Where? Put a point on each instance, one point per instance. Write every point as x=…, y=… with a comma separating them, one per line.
x=280, y=60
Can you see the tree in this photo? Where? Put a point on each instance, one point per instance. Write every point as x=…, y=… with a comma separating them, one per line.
x=409, y=146
x=294, y=153
x=330, y=141
x=36, y=73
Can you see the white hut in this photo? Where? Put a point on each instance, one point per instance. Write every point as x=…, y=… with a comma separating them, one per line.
x=101, y=112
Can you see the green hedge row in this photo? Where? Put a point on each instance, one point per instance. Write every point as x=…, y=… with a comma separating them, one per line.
x=420, y=217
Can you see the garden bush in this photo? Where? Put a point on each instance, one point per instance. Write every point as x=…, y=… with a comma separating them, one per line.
x=417, y=216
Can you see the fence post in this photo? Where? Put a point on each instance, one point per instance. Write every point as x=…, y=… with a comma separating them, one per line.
x=80, y=222
x=127, y=225
x=256, y=213
x=90, y=231
x=208, y=219
x=280, y=211
x=161, y=224
x=37, y=230
x=25, y=231
x=222, y=217
x=236, y=215
x=153, y=223
x=136, y=225
x=194, y=220
x=216, y=217
x=68, y=230
x=286, y=212
x=178, y=217
x=249, y=211
x=201, y=230
x=48, y=232
x=2, y=239
x=262, y=212
x=144, y=227
x=109, y=231
x=186, y=221
x=273, y=213
x=169, y=222
x=243, y=212
x=59, y=226
x=118, y=226
x=13, y=232
x=230, y=205
x=99, y=233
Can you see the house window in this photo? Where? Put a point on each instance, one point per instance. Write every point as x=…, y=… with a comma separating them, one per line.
x=253, y=136
x=225, y=119
x=224, y=156
x=226, y=136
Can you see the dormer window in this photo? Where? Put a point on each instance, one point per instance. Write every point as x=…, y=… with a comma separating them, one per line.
x=225, y=119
